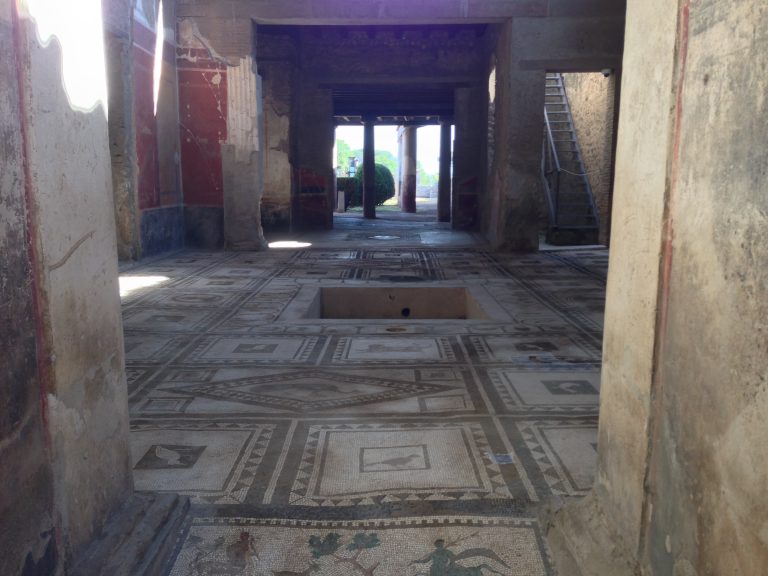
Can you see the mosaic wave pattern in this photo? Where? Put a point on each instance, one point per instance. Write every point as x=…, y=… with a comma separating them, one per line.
x=379, y=447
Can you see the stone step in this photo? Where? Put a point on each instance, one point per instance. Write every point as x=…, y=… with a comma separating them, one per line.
x=138, y=540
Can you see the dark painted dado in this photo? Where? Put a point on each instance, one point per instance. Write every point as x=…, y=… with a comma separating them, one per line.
x=162, y=230
x=204, y=227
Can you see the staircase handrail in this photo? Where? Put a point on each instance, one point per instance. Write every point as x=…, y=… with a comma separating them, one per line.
x=551, y=141
x=590, y=195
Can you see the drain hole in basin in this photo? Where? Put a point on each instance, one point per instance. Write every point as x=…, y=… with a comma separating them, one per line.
x=396, y=303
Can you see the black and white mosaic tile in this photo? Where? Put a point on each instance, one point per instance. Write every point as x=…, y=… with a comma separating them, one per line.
x=381, y=447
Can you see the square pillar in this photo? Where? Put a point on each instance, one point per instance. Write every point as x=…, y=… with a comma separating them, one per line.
x=515, y=187
x=242, y=158
x=369, y=170
x=444, y=185
x=408, y=187
x=469, y=154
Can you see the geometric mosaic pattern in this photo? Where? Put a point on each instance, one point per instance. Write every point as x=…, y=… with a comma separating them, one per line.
x=565, y=451
x=310, y=390
x=364, y=464
x=210, y=462
x=563, y=391
x=374, y=439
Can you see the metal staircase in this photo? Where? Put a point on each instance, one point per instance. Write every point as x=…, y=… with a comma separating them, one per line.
x=572, y=213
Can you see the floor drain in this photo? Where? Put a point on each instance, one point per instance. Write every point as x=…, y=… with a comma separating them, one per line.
x=396, y=329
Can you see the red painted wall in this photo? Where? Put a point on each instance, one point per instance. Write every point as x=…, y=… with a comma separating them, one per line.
x=203, y=125
x=151, y=194
x=146, y=126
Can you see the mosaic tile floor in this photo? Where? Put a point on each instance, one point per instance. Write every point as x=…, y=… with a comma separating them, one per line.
x=378, y=447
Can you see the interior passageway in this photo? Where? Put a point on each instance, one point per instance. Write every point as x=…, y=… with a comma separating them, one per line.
x=387, y=446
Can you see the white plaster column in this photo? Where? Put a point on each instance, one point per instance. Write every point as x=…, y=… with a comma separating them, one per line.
x=242, y=158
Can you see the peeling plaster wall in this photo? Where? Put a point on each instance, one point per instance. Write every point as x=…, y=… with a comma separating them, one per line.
x=79, y=327
x=708, y=477
x=118, y=41
x=221, y=126
x=27, y=540
x=682, y=482
x=277, y=54
x=632, y=293
x=203, y=128
x=243, y=158
x=591, y=97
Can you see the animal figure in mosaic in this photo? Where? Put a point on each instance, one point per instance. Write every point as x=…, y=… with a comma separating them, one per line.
x=331, y=545
x=240, y=556
x=171, y=457
x=444, y=561
x=398, y=461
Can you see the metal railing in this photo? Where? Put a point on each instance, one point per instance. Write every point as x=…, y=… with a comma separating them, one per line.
x=550, y=171
x=555, y=177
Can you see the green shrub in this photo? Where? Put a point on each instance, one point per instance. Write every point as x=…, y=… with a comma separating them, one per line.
x=384, y=185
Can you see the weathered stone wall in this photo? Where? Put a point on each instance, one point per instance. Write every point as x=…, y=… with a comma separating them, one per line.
x=353, y=54
x=469, y=153
x=314, y=136
x=118, y=43
x=78, y=328
x=682, y=485
x=632, y=293
x=27, y=537
x=300, y=12
x=707, y=502
x=525, y=49
x=277, y=53
x=591, y=97
x=221, y=127
x=299, y=64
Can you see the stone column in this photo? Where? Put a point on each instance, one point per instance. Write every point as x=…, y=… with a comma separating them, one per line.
x=118, y=44
x=515, y=180
x=521, y=177
x=67, y=397
x=681, y=479
x=369, y=171
x=227, y=97
x=408, y=188
x=242, y=158
x=469, y=160
x=444, y=186
x=313, y=128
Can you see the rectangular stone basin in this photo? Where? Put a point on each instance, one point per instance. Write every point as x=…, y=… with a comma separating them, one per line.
x=383, y=303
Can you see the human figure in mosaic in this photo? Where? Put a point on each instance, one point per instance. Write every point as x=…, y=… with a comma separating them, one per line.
x=242, y=551
x=444, y=561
